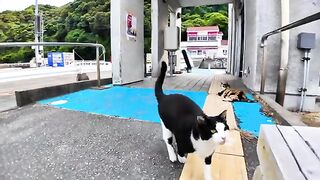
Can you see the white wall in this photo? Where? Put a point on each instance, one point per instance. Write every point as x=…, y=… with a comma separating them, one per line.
x=264, y=16
x=178, y=66
x=159, y=19
x=298, y=10
x=230, y=37
x=251, y=45
x=220, y=51
x=127, y=55
x=261, y=17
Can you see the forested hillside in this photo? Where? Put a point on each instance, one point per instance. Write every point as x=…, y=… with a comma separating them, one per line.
x=87, y=21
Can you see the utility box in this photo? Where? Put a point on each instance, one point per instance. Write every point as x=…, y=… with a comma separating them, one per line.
x=306, y=40
x=171, y=38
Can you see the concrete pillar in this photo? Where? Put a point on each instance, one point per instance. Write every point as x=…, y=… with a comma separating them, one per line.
x=230, y=40
x=238, y=46
x=127, y=50
x=159, y=19
x=233, y=41
x=179, y=55
x=259, y=19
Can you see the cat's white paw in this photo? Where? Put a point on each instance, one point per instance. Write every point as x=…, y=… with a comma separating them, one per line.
x=182, y=159
x=172, y=157
x=207, y=172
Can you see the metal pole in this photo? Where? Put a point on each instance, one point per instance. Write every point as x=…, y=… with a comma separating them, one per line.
x=304, y=83
x=281, y=85
x=36, y=35
x=171, y=62
x=263, y=64
x=98, y=67
x=308, y=69
x=306, y=79
x=283, y=71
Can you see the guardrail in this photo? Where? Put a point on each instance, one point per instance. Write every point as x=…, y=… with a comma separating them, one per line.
x=97, y=46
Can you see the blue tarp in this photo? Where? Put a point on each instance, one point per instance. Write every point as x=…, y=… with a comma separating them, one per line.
x=136, y=103
x=140, y=103
x=250, y=117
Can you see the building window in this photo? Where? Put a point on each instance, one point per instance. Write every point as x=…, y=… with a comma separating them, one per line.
x=192, y=38
x=199, y=52
x=202, y=38
x=212, y=38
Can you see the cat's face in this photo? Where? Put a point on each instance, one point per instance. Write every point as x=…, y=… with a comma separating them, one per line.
x=220, y=133
x=215, y=127
x=224, y=85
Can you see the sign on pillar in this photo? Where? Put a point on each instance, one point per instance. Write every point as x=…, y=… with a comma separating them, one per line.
x=127, y=41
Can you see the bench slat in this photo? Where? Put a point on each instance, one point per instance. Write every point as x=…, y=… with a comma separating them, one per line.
x=307, y=160
x=311, y=135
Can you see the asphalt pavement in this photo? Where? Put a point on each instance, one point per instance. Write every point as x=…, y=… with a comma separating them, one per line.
x=40, y=142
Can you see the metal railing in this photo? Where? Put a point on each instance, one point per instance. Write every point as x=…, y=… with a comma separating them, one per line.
x=97, y=46
x=280, y=95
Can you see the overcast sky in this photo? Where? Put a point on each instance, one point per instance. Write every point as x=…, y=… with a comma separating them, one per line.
x=18, y=5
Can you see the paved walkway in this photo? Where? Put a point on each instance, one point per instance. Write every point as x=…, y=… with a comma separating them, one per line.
x=40, y=142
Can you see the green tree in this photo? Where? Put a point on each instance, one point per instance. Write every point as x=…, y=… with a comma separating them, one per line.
x=88, y=21
x=216, y=15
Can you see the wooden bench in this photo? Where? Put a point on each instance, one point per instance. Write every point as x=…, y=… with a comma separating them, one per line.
x=288, y=152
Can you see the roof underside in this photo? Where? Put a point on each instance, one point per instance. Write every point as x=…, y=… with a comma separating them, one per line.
x=189, y=3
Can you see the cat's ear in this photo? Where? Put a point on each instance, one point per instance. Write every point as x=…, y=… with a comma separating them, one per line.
x=201, y=119
x=223, y=115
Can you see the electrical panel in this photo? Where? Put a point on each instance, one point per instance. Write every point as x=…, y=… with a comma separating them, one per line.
x=171, y=38
x=306, y=40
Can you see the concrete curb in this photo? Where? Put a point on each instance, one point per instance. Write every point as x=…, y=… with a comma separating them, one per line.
x=29, y=96
x=281, y=113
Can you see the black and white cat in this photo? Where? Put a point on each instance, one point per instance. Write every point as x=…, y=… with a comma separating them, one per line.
x=194, y=131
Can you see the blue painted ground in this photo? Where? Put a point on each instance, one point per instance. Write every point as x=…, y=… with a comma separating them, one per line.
x=136, y=103
x=250, y=116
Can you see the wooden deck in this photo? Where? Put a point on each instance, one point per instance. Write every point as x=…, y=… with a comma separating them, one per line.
x=288, y=153
x=192, y=82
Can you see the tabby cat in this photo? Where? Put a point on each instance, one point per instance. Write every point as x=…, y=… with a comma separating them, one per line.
x=193, y=130
x=232, y=95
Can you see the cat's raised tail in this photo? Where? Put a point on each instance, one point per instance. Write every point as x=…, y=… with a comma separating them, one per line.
x=159, y=82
